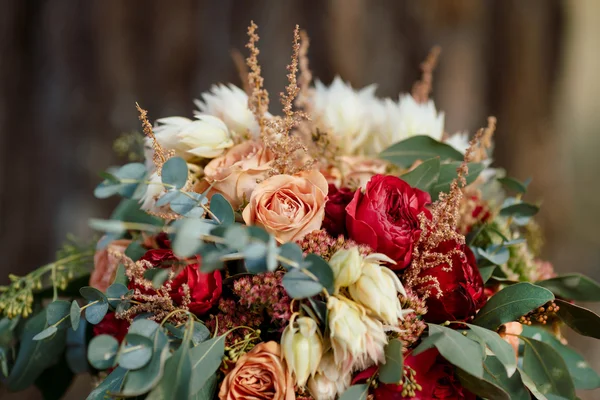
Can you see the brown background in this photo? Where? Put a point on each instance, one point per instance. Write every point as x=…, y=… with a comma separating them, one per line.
x=70, y=72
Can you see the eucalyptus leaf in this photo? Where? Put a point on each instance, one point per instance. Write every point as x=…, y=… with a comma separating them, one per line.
x=519, y=210
x=421, y=147
x=511, y=303
x=208, y=390
x=584, y=377
x=292, y=252
x=116, y=291
x=298, y=285
x=513, y=184
x=136, y=352
x=96, y=312
x=501, y=349
x=102, y=351
x=158, y=276
x=547, y=369
x=448, y=172
x=144, y=379
x=168, y=197
x=111, y=384
x=321, y=269
x=183, y=204
x=496, y=255
x=175, y=172
x=188, y=237
x=135, y=251
x=580, y=319
x=495, y=372
x=200, y=333
x=34, y=356
x=356, y=392
x=424, y=175
x=76, y=351
x=206, y=359
x=57, y=310
x=144, y=327
x=573, y=286
x=486, y=272
x=46, y=333
x=221, y=208
x=393, y=369
x=236, y=237
x=482, y=387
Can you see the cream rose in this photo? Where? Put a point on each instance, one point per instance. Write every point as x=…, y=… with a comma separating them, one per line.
x=236, y=173
x=288, y=206
x=357, y=171
x=105, y=264
x=259, y=374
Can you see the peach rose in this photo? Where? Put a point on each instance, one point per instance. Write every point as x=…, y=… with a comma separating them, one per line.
x=259, y=374
x=236, y=173
x=357, y=171
x=105, y=264
x=288, y=206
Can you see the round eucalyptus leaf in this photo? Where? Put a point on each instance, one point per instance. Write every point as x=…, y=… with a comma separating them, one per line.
x=102, y=351
x=115, y=291
x=96, y=312
x=46, y=333
x=92, y=294
x=75, y=314
x=136, y=353
x=221, y=208
x=57, y=310
x=175, y=172
x=143, y=327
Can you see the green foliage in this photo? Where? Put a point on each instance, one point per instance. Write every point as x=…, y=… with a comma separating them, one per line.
x=448, y=172
x=206, y=359
x=393, y=369
x=158, y=276
x=123, y=182
x=111, y=384
x=584, y=377
x=580, y=319
x=175, y=172
x=35, y=355
x=425, y=175
x=459, y=350
x=299, y=285
x=406, y=152
x=135, y=352
x=75, y=315
x=498, y=346
x=97, y=307
x=514, y=184
x=102, y=352
x=222, y=210
x=547, y=369
x=356, y=392
x=519, y=210
x=574, y=286
x=511, y=303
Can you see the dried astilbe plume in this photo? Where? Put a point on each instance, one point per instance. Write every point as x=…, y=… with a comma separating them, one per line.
x=160, y=155
x=481, y=152
x=422, y=88
x=441, y=228
x=305, y=78
x=258, y=101
x=159, y=302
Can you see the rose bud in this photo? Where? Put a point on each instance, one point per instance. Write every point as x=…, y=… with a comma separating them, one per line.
x=346, y=266
x=302, y=348
x=329, y=379
x=377, y=289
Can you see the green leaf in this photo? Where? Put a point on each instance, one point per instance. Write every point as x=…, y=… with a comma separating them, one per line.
x=511, y=303
x=175, y=172
x=501, y=349
x=188, y=238
x=513, y=184
x=111, y=384
x=291, y=251
x=175, y=383
x=116, y=291
x=96, y=312
x=121, y=276
x=75, y=314
x=406, y=152
x=102, y=351
x=486, y=272
x=208, y=390
x=136, y=353
x=448, y=172
x=393, y=369
x=46, y=333
x=495, y=372
x=221, y=208
x=158, y=276
x=206, y=359
x=530, y=384
x=321, y=269
x=574, y=286
x=144, y=327
x=424, y=175
x=144, y=379
x=76, y=349
x=356, y=392
x=580, y=319
x=495, y=254
x=56, y=311
x=135, y=251
x=519, y=210
x=298, y=285
x=201, y=333
x=455, y=348
x=34, y=356
x=547, y=369
x=584, y=377
x=482, y=387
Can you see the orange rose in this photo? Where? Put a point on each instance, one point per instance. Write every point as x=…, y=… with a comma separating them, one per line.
x=259, y=374
x=357, y=171
x=288, y=206
x=105, y=264
x=236, y=173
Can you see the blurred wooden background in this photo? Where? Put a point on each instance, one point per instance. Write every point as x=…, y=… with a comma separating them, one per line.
x=71, y=71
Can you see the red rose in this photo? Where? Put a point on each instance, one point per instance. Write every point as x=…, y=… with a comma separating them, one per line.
x=113, y=326
x=455, y=291
x=385, y=217
x=434, y=374
x=335, y=210
x=204, y=289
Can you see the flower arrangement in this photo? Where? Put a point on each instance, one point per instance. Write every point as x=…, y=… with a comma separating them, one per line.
x=346, y=249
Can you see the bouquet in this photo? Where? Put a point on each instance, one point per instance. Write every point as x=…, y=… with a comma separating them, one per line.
x=347, y=248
